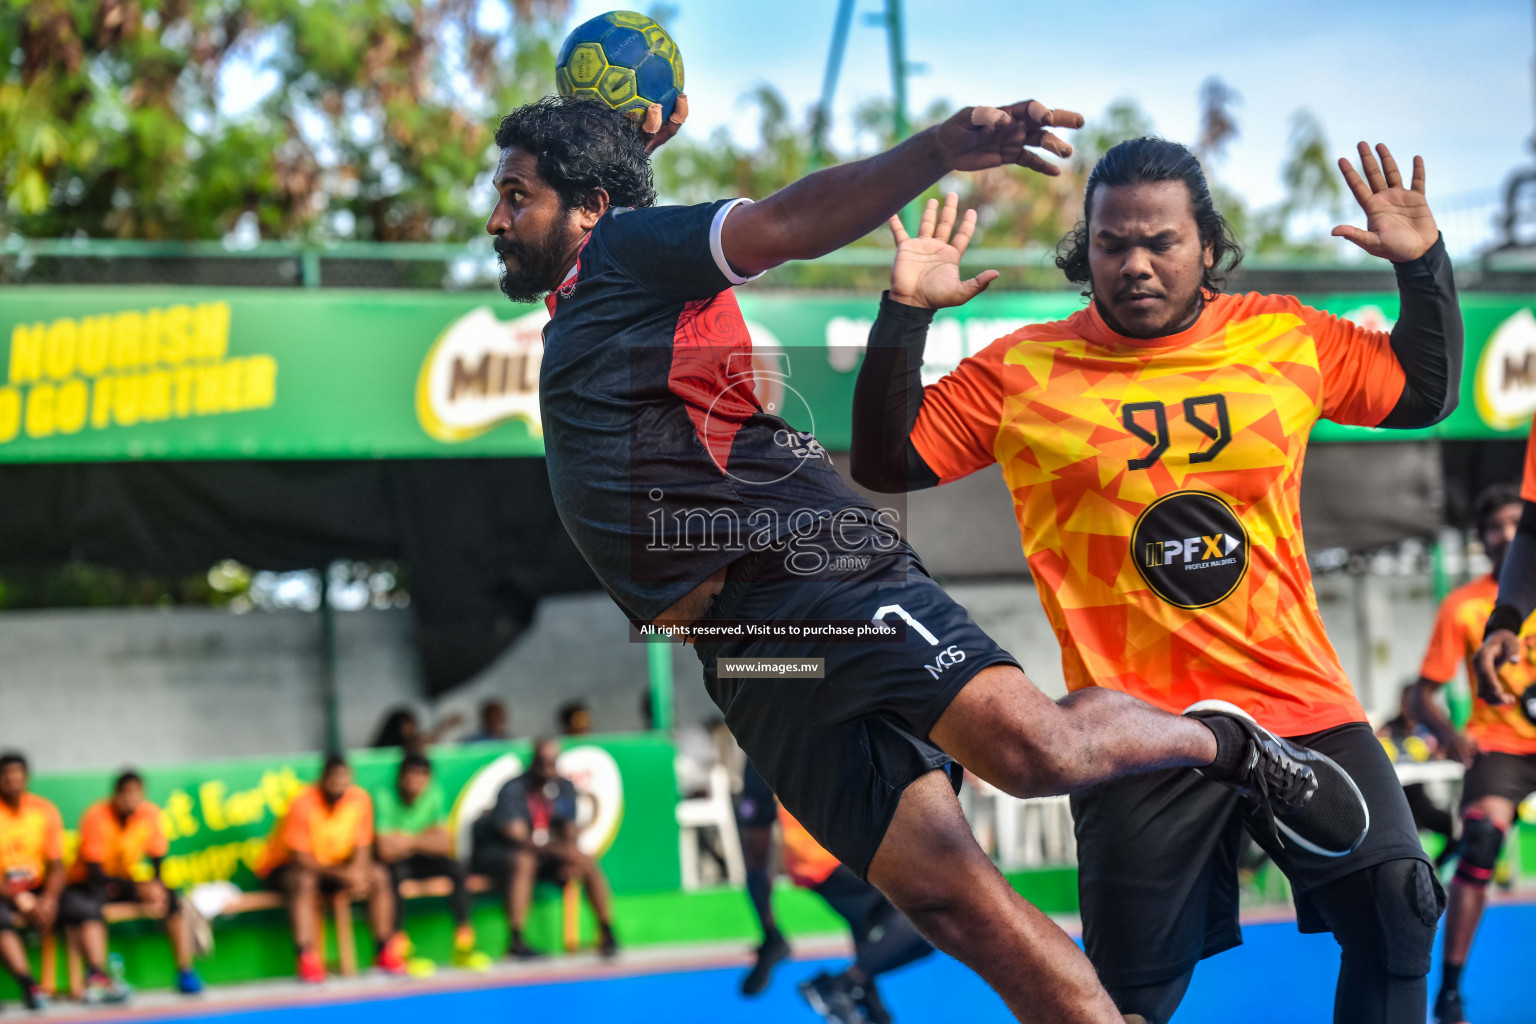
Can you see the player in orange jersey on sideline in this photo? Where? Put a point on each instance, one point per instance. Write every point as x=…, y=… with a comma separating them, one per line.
x=1153, y=444
x=121, y=846
x=324, y=845
x=1499, y=747
x=31, y=871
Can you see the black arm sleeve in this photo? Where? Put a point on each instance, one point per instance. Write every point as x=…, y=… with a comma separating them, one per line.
x=1427, y=341
x=886, y=400
x=1517, y=578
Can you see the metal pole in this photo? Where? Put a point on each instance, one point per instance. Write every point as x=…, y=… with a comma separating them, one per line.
x=659, y=661
x=329, y=696
x=895, y=35
x=829, y=83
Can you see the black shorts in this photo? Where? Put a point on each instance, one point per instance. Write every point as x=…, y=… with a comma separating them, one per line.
x=80, y=903
x=277, y=880
x=495, y=863
x=1495, y=773
x=839, y=751
x=11, y=919
x=1157, y=859
x=756, y=807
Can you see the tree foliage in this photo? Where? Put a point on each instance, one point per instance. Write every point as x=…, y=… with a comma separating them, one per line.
x=375, y=125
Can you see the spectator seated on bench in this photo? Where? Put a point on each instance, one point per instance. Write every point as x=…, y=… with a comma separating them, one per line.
x=529, y=835
x=121, y=847
x=31, y=871
x=323, y=845
x=412, y=843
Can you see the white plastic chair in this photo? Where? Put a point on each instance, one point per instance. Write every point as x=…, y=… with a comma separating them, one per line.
x=713, y=810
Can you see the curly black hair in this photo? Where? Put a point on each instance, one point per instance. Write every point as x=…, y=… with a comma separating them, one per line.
x=582, y=145
x=1140, y=162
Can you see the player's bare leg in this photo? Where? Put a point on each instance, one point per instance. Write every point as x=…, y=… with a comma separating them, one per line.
x=1002, y=727
x=931, y=868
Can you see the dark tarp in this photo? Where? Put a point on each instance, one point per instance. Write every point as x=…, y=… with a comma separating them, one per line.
x=483, y=542
x=480, y=536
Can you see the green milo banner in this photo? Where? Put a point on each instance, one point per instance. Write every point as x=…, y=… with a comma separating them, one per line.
x=218, y=815
x=96, y=374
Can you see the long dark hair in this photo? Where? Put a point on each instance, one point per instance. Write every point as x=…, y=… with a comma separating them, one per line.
x=1144, y=161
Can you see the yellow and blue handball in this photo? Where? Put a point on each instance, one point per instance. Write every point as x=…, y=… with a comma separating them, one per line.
x=623, y=59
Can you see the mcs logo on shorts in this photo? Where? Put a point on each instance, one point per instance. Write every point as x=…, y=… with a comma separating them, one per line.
x=1190, y=548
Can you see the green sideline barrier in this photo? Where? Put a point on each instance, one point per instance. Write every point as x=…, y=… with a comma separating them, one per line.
x=114, y=373
x=218, y=815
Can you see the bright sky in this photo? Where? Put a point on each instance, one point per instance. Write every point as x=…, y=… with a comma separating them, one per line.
x=1450, y=81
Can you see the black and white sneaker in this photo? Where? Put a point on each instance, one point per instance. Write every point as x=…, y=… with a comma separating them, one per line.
x=773, y=950
x=867, y=998
x=1307, y=798
x=1448, y=1008
x=829, y=996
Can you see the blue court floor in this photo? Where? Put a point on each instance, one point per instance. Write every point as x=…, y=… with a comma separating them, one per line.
x=1277, y=977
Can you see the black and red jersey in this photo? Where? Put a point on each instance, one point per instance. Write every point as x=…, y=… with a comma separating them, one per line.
x=663, y=462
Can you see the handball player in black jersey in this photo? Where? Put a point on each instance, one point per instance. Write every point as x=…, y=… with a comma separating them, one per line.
x=693, y=503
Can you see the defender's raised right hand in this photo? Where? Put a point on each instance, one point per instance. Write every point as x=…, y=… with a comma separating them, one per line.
x=927, y=268
x=976, y=138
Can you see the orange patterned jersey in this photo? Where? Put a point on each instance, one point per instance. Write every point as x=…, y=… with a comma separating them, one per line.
x=1528, y=487
x=1156, y=486
x=805, y=860
x=31, y=835
x=330, y=833
x=1458, y=634
x=122, y=848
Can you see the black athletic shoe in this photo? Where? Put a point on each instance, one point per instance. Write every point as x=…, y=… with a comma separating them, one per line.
x=1448, y=1008
x=770, y=954
x=608, y=945
x=518, y=949
x=867, y=998
x=1308, y=799
x=829, y=996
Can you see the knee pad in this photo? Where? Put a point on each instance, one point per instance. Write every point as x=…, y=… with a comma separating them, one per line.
x=1410, y=920
x=1481, y=841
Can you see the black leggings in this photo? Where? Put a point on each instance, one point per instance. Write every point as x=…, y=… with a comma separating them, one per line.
x=1385, y=941
x=883, y=938
x=423, y=865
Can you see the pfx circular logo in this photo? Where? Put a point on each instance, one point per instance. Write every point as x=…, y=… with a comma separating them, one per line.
x=1191, y=549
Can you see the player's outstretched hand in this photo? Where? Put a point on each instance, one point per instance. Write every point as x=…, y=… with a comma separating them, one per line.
x=977, y=138
x=927, y=268
x=1500, y=648
x=1398, y=224
x=658, y=131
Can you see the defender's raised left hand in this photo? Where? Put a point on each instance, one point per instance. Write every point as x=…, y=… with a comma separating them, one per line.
x=1398, y=224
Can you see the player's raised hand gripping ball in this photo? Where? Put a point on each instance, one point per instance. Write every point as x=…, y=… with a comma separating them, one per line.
x=976, y=138
x=629, y=62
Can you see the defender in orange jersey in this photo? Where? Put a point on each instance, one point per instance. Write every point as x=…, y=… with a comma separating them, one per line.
x=324, y=845
x=1499, y=748
x=1153, y=445
x=122, y=845
x=1516, y=602
x=31, y=870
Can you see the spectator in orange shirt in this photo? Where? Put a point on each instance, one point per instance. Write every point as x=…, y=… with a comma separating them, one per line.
x=324, y=844
x=122, y=845
x=31, y=870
